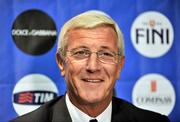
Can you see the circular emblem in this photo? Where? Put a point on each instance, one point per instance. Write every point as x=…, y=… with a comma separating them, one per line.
x=34, y=32
x=154, y=92
x=152, y=34
x=32, y=91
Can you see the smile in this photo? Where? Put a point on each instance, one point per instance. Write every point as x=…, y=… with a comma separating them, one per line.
x=93, y=80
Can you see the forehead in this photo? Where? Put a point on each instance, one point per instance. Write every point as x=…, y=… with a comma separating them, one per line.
x=93, y=37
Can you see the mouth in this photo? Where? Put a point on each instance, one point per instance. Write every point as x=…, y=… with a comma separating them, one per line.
x=93, y=80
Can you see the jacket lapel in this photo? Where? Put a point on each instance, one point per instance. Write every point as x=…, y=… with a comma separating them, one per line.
x=119, y=113
x=60, y=112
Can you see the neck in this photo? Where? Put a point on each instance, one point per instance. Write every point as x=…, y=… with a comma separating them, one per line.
x=91, y=109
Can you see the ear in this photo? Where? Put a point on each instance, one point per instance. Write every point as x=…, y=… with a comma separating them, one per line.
x=120, y=66
x=60, y=63
x=121, y=63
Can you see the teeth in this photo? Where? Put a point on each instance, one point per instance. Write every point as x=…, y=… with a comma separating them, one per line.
x=93, y=81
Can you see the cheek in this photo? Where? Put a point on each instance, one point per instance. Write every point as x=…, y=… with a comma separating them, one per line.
x=72, y=72
x=112, y=72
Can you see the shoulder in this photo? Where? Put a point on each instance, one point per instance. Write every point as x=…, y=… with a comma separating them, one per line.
x=43, y=113
x=128, y=111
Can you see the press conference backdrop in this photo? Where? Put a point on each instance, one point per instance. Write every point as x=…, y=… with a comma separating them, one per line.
x=29, y=31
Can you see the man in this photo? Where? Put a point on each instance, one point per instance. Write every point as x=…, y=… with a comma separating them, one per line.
x=90, y=55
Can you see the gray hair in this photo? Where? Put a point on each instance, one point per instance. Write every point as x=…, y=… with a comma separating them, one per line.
x=89, y=19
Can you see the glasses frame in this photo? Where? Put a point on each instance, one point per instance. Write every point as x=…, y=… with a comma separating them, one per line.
x=116, y=56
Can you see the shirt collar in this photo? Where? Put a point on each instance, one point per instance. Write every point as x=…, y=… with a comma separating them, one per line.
x=79, y=116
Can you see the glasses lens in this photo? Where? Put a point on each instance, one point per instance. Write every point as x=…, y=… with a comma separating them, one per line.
x=107, y=56
x=80, y=54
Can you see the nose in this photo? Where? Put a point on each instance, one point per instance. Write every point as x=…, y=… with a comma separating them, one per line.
x=93, y=63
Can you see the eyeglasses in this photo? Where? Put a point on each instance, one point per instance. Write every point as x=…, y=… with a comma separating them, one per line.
x=104, y=56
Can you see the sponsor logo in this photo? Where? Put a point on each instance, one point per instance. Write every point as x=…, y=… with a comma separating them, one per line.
x=33, y=97
x=32, y=91
x=154, y=92
x=152, y=34
x=34, y=32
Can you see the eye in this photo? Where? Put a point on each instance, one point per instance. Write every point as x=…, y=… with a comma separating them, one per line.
x=81, y=53
x=106, y=54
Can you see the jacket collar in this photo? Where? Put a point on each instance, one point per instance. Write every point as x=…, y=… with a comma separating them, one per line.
x=61, y=114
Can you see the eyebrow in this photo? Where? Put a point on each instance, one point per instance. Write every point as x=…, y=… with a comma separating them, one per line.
x=83, y=47
x=107, y=48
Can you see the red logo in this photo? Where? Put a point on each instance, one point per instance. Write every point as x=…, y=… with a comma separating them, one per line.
x=26, y=97
x=153, y=86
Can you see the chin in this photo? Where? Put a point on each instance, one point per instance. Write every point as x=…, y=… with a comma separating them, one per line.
x=92, y=100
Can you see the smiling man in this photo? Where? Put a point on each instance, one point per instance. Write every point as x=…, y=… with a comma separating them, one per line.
x=90, y=56
x=91, y=66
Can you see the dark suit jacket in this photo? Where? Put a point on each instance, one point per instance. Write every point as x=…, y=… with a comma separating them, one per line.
x=122, y=111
